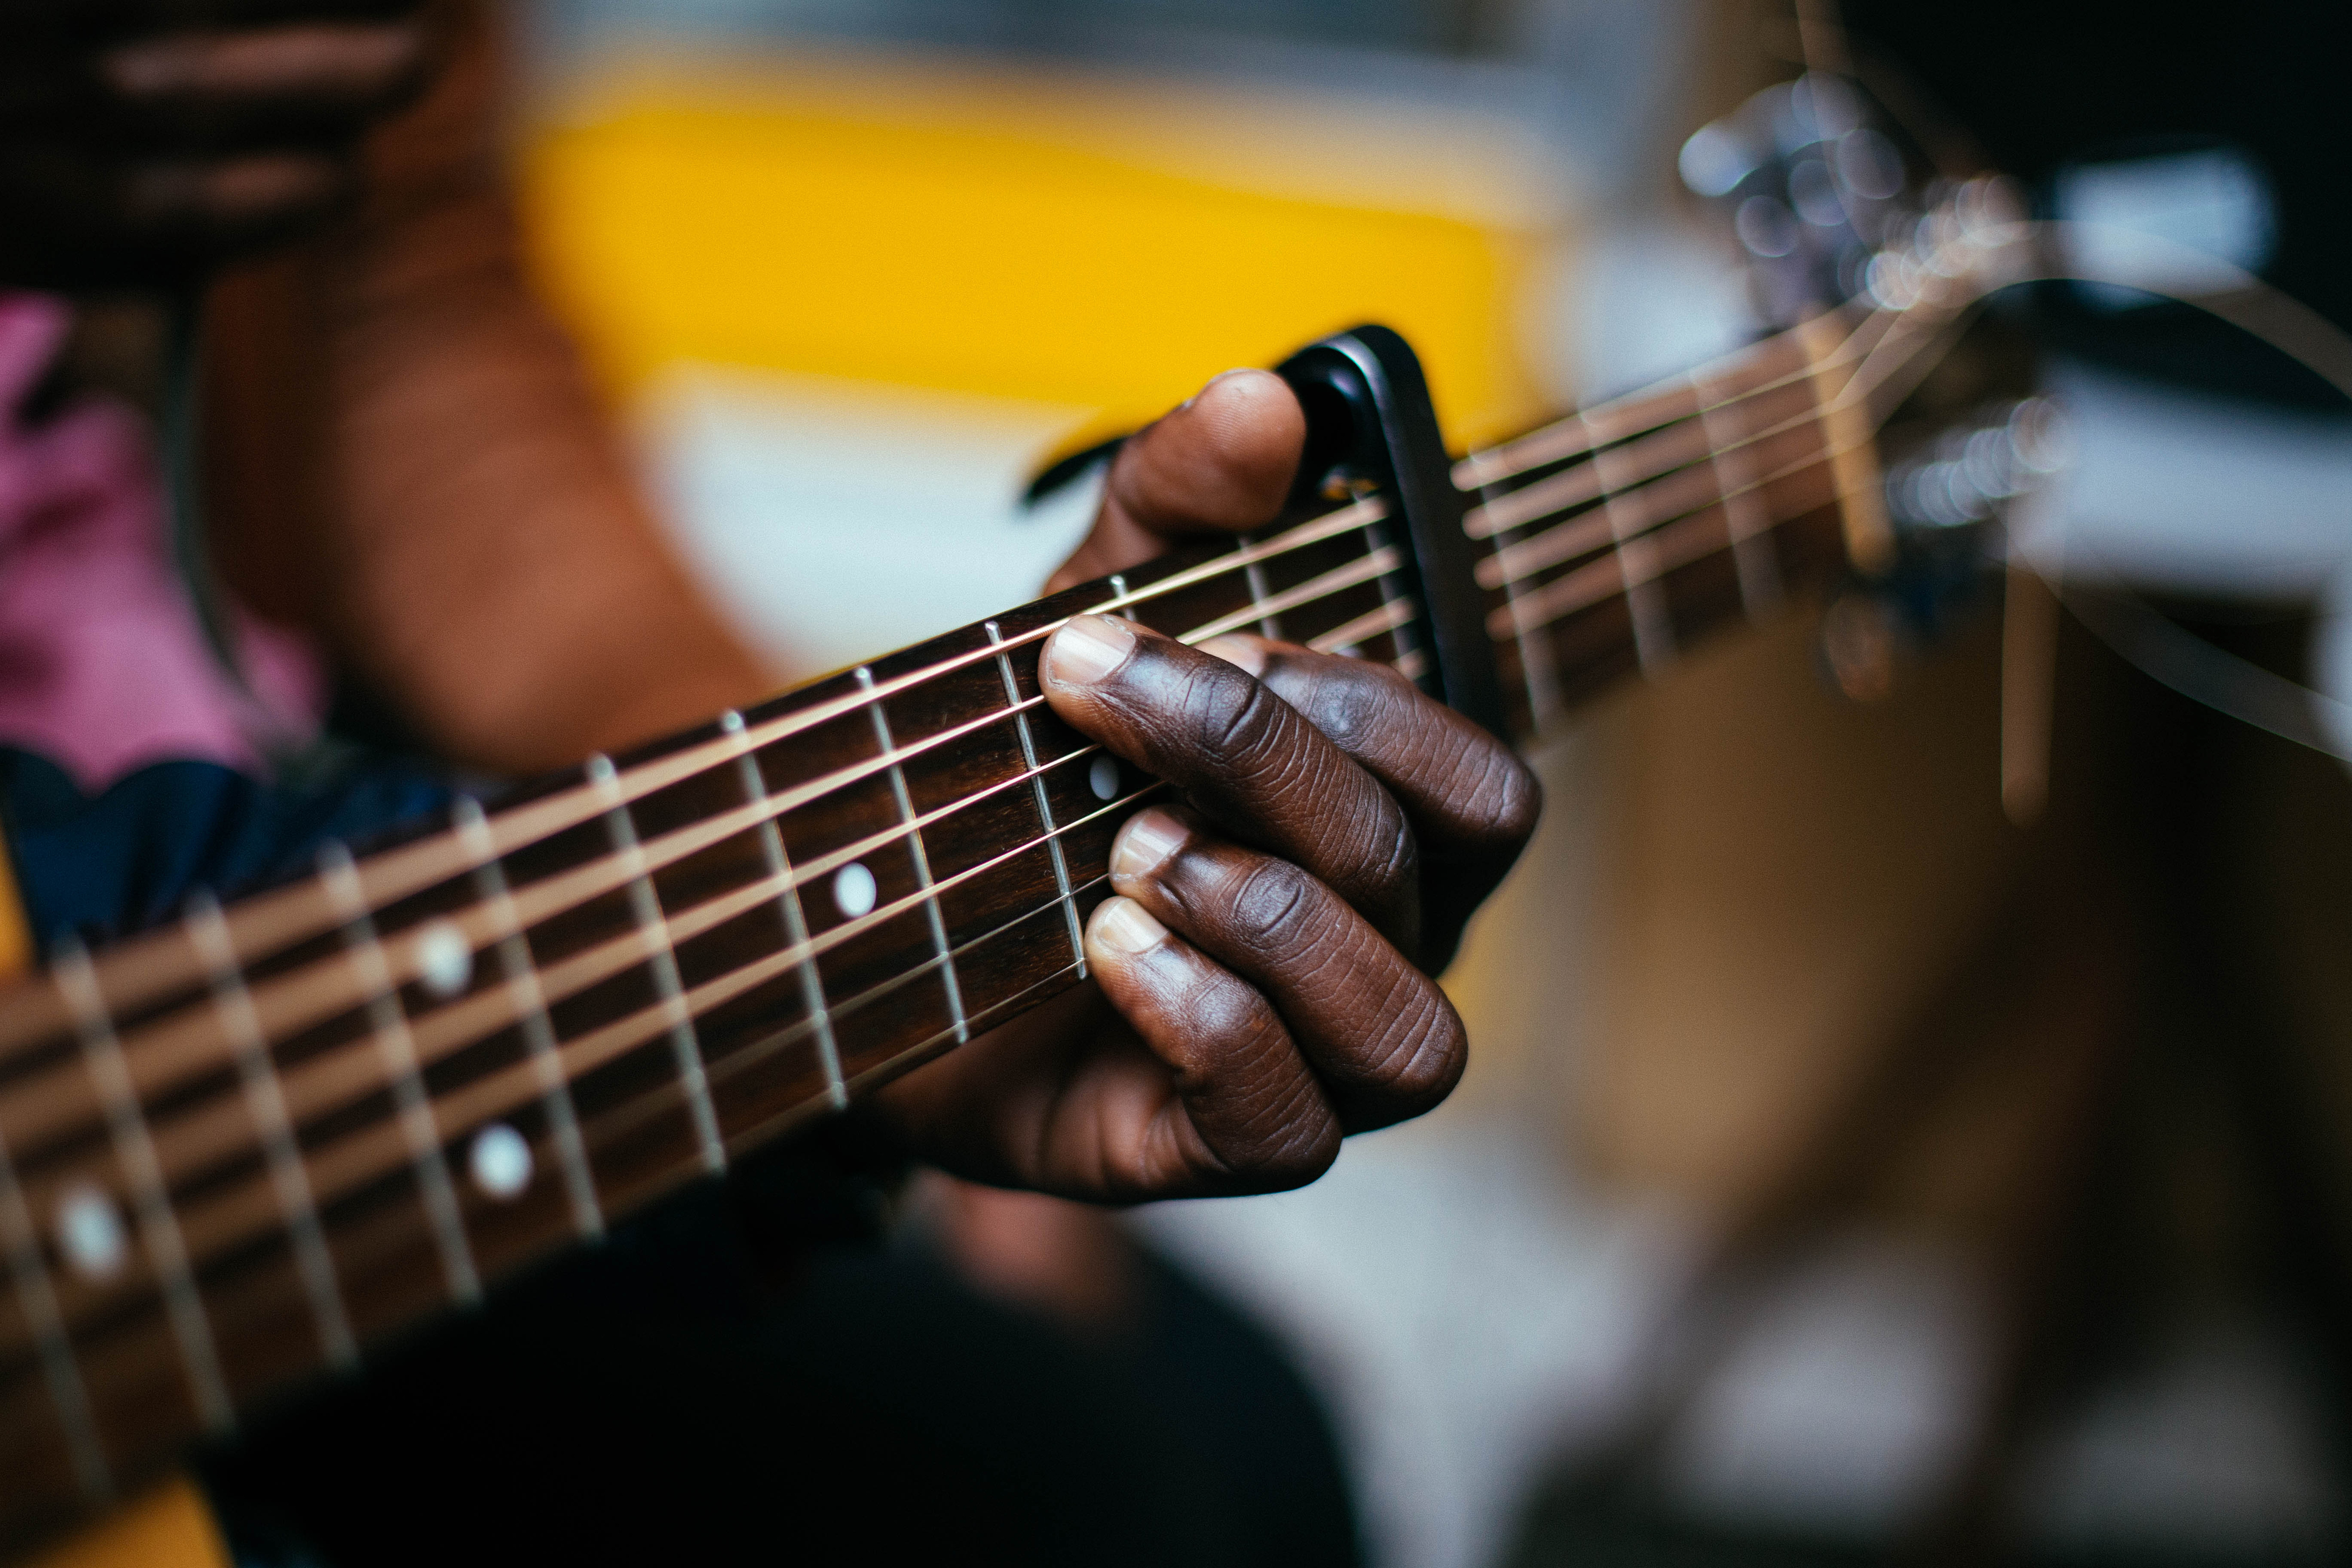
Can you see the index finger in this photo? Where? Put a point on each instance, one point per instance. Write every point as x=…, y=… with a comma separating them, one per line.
x=1244, y=758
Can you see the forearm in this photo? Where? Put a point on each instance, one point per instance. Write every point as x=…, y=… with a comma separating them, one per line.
x=468, y=537
x=500, y=577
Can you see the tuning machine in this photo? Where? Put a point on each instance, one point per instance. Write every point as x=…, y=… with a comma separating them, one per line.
x=1815, y=185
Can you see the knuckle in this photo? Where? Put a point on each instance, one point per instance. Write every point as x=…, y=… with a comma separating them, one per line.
x=1234, y=720
x=1425, y=1053
x=1516, y=796
x=1227, y=1015
x=1273, y=906
x=1394, y=854
x=1297, y=1140
x=1501, y=798
x=1352, y=701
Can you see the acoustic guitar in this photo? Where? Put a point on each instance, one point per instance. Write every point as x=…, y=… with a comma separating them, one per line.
x=239, y=1151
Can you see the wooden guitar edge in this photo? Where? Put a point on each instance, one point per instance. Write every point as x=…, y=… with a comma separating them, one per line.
x=169, y=1527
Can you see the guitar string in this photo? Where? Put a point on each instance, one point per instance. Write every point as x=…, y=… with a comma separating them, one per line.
x=1590, y=430
x=1563, y=542
x=1499, y=513
x=1505, y=575
x=153, y=1037
x=789, y=960
x=1574, y=437
x=1513, y=620
x=427, y=862
x=308, y=1108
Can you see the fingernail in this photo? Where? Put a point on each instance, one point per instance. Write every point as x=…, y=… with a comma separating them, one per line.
x=1244, y=652
x=1125, y=926
x=1148, y=842
x=1088, y=648
x=1220, y=375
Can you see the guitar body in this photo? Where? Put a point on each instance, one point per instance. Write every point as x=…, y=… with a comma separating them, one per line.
x=169, y=1526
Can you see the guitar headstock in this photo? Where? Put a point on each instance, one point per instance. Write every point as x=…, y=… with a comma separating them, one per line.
x=1830, y=202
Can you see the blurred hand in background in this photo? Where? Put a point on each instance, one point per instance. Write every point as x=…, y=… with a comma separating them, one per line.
x=142, y=141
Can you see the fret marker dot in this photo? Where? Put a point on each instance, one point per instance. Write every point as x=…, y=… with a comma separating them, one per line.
x=445, y=960
x=500, y=1162
x=853, y=890
x=1102, y=777
x=91, y=1233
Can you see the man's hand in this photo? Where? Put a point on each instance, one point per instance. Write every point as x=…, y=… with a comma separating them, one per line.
x=143, y=140
x=1262, y=976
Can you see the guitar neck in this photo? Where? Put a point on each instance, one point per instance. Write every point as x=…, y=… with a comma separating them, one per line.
x=1612, y=539
x=237, y=1150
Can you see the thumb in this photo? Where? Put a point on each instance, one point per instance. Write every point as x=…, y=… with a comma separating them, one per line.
x=1222, y=463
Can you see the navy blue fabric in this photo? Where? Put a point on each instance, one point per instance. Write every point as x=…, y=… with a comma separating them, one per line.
x=100, y=867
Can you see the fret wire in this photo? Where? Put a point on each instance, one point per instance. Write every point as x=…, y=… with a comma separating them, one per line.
x=1553, y=444
x=1045, y=806
x=1645, y=602
x=36, y=1296
x=926, y=1046
x=646, y=907
x=538, y=1028
x=1268, y=625
x=723, y=988
x=1744, y=519
x=388, y=1025
x=1788, y=470
x=1566, y=595
x=1573, y=535
x=266, y=1103
x=1577, y=534
x=1380, y=561
x=796, y=928
x=920, y=856
x=1536, y=672
x=1862, y=505
x=752, y=1136
x=159, y=1225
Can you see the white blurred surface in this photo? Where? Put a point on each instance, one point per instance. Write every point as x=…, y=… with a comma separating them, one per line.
x=2179, y=491
x=838, y=520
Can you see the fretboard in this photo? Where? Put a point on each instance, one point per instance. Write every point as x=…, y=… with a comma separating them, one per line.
x=238, y=1150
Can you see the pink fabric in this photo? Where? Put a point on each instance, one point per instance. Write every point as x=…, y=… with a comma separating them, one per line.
x=103, y=666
